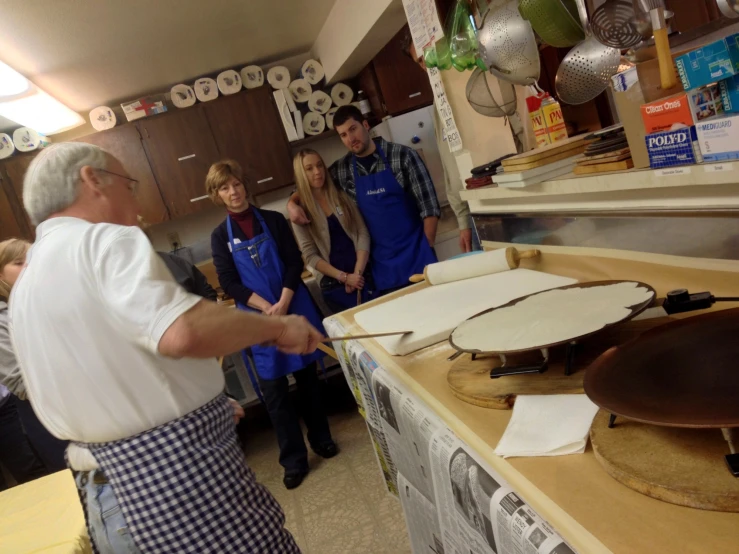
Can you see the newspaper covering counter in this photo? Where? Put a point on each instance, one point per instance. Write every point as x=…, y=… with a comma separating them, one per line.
x=453, y=502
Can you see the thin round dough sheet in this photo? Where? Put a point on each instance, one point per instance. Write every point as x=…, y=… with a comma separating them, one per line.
x=550, y=317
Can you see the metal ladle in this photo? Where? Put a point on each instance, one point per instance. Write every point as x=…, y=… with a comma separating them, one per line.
x=586, y=70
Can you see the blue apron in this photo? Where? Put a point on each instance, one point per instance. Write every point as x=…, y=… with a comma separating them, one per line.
x=399, y=246
x=261, y=269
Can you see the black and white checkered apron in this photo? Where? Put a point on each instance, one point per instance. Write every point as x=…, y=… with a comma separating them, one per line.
x=185, y=487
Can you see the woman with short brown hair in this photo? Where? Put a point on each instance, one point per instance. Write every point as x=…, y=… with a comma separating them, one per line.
x=259, y=265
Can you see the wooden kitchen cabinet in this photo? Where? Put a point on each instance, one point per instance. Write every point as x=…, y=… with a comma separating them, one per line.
x=124, y=142
x=180, y=148
x=403, y=84
x=247, y=128
x=14, y=221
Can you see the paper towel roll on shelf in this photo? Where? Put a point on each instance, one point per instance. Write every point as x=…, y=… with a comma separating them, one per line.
x=28, y=140
x=313, y=123
x=182, y=96
x=285, y=114
x=206, y=89
x=6, y=146
x=102, y=118
x=342, y=94
x=252, y=76
x=301, y=91
x=319, y=102
x=278, y=77
x=312, y=71
x=330, y=117
x=470, y=267
x=229, y=82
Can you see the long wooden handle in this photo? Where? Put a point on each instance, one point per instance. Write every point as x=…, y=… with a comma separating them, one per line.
x=328, y=350
x=667, y=75
x=367, y=336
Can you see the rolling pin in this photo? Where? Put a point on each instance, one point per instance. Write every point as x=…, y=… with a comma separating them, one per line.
x=469, y=267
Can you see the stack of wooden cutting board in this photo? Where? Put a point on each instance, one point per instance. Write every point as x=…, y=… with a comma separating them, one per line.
x=542, y=164
x=608, y=151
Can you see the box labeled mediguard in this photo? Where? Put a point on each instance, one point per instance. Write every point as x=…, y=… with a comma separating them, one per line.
x=671, y=148
x=710, y=63
x=719, y=139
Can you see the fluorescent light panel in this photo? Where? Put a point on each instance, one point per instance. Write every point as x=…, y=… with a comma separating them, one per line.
x=26, y=104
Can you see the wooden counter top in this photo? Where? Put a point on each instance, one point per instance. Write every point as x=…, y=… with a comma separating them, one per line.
x=592, y=511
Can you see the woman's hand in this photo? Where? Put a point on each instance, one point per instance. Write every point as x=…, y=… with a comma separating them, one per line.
x=355, y=281
x=278, y=309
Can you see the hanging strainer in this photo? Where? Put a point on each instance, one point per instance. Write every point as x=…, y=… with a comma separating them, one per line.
x=555, y=21
x=587, y=69
x=481, y=98
x=508, y=45
x=613, y=24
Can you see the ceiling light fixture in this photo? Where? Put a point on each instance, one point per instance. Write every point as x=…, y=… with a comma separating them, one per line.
x=26, y=104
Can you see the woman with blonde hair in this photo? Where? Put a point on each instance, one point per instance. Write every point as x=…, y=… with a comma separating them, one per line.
x=20, y=429
x=336, y=243
x=259, y=265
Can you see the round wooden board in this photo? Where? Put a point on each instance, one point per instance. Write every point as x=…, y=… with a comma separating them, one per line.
x=677, y=465
x=470, y=382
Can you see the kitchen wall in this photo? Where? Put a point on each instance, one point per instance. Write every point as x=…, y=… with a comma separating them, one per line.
x=486, y=138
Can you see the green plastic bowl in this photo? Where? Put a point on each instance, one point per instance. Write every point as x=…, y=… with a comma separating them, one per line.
x=554, y=21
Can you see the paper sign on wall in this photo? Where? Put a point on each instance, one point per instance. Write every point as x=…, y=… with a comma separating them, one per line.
x=445, y=110
x=423, y=21
x=431, y=18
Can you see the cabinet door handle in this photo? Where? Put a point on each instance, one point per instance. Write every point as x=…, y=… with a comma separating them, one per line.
x=264, y=180
x=185, y=157
x=414, y=95
x=199, y=198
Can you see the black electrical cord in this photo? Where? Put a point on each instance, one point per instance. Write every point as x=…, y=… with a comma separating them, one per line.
x=726, y=298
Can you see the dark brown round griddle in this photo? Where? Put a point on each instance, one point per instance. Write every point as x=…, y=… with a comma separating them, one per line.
x=682, y=374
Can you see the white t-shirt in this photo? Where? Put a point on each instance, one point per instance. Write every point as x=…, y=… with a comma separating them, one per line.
x=86, y=317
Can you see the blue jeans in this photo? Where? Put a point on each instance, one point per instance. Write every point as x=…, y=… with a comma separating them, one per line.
x=104, y=517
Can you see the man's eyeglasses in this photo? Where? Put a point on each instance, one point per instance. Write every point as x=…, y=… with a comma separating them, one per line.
x=133, y=183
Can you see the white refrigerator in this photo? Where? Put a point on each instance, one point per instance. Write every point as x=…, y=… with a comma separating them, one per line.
x=416, y=129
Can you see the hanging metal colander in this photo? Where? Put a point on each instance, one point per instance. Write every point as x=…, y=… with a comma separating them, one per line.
x=508, y=45
x=587, y=69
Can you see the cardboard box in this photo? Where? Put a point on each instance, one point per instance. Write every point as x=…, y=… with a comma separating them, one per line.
x=671, y=148
x=719, y=139
x=628, y=105
x=710, y=63
x=667, y=113
x=143, y=107
x=730, y=94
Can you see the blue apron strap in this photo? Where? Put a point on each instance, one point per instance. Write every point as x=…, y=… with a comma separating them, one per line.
x=252, y=376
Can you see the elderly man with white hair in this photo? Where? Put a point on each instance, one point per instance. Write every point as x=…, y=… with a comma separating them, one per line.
x=120, y=360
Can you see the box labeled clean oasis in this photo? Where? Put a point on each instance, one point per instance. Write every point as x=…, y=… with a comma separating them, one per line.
x=719, y=139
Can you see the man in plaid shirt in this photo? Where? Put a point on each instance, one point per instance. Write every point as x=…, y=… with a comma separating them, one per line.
x=395, y=194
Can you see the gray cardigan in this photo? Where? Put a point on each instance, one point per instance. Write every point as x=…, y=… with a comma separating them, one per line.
x=10, y=371
x=316, y=248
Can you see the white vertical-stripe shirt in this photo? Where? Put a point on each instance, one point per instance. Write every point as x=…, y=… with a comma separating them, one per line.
x=86, y=317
